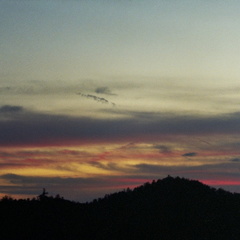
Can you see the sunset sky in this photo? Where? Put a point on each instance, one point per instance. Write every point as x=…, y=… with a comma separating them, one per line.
x=100, y=95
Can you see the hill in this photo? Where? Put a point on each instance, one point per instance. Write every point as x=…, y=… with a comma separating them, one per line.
x=167, y=209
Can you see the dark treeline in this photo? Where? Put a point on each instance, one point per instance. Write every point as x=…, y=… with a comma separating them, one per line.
x=167, y=209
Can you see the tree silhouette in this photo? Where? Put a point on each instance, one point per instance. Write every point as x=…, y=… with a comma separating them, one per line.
x=43, y=196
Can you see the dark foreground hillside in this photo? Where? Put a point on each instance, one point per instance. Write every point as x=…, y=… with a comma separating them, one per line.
x=167, y=209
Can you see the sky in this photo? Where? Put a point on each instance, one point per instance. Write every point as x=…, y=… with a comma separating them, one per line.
x=98, y=96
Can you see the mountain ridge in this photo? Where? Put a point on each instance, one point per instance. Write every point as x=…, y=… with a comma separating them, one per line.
x=169, y=208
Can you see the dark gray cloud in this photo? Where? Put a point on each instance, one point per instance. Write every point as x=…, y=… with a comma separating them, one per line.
x=104, y=90
x=95, y=98
x=98, y=99
x=32, y=127
x=235, y=160
x=189, y=154
x=163, y=148
x=10, y=109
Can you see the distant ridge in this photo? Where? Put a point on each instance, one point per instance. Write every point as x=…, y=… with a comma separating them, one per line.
x=167, y=209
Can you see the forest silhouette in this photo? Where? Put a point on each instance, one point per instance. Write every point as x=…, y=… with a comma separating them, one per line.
x=166, y=209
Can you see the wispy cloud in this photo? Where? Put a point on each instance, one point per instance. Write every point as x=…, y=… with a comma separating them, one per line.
x=98, y=99
x=190, y=154
x=95, y=98
x=104, y=90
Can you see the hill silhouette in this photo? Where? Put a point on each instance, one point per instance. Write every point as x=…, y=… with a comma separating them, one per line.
x=167, y=209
